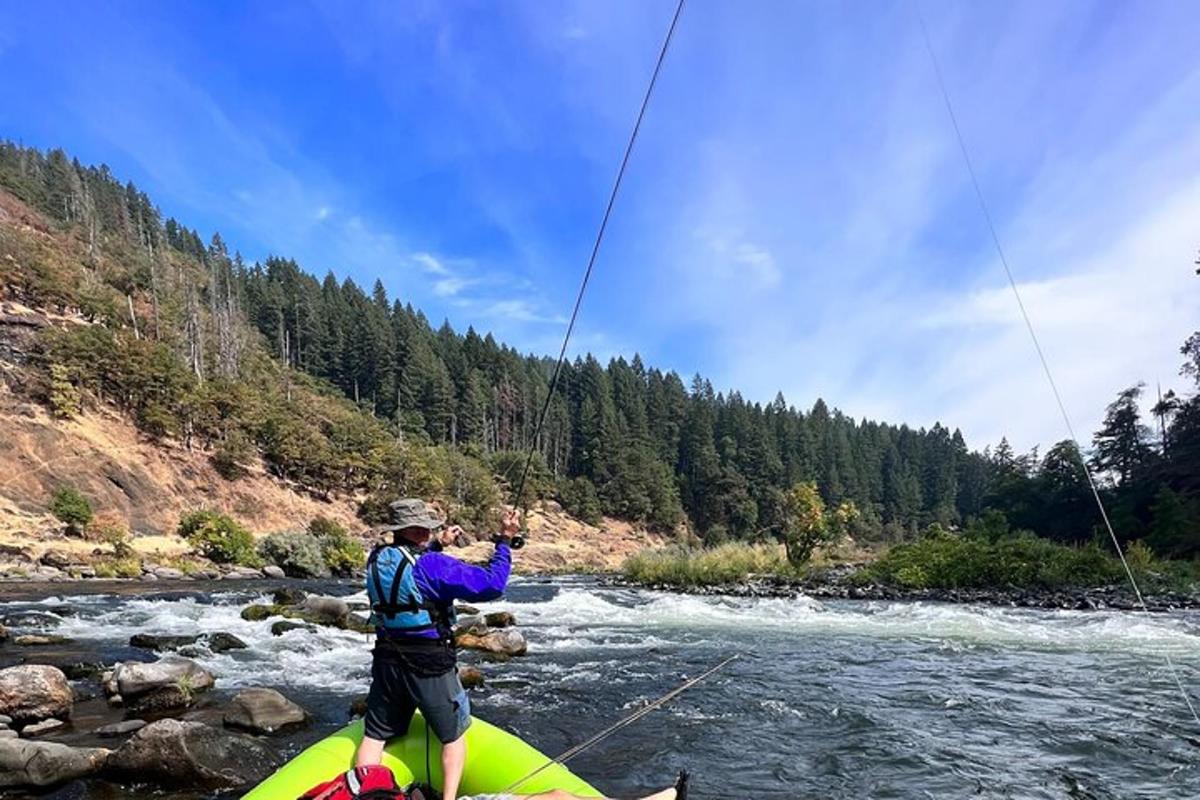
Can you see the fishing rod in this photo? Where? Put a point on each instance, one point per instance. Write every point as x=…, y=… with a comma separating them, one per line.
x=519, y=541
x=570, y=753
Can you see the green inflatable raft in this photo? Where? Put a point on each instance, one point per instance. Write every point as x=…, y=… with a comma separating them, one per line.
x=496, y=760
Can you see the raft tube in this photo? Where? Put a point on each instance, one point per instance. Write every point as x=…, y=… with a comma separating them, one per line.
x=496, y=760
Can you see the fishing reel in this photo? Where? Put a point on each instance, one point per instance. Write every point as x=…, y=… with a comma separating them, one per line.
x=516, y=542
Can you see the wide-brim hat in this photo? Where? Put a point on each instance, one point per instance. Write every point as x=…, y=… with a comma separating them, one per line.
x=411, y=513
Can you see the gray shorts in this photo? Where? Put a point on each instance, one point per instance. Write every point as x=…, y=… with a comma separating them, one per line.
x=396, y=693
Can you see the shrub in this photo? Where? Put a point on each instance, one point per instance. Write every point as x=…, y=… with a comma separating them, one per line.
x=233, y=456
x=109, y=528
x=714, y=566
x=942, y=560
x=342, y=554
x=129, y=567
x=218, y=538
x=297, y=554
x=72, y=508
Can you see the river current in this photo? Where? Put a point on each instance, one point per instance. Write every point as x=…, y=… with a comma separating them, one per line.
x=839, y=699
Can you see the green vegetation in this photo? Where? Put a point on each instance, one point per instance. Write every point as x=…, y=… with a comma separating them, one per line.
x=723, y=565
x=337, y=389
x=324, y=549
x=218, y=538
x=71, y=508
x=341, y=553
x=942, y=560
x=119, y=567
x=297, y=554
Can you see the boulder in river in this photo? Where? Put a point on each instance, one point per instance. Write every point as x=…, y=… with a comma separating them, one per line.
x=221, y=642
x=507, y=642
x=26, y=763
x=3, y=634
x=192, y=753
x=470, y=677
x=272, y=571
x=289, y=596
x=121, y=728
x=41, y=728
x=33, y=692
x=257, y=612
x=159, y=642
x=263, y=711
x=500, y=619
x=38, y=640
x=284, y=625
x=325, y=610
x=162, y=700
x=135, y=678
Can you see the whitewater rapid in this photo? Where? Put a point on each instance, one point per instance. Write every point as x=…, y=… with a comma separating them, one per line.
x=829, y=698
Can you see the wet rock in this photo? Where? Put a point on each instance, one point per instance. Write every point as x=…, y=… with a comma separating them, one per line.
x=149, y=577
x=284, y=625
x=258, y=612
x=192, y=753
x=151, y=641
x=3, y=634
x=30, y=619
x=358, y=706
x=272, y=571
x=471, y=624
x=222, y=642
x=471, y=677
x=169, y=573
x=243, y=573
x=325, y=610
x=500, y=619
x=26, y=763
x=56, y=559
x=135, y=678
x=38, y=640
x=82, y=670
x=5, y=720
x=43, y=727
x=121, y=728
x=508, y=642
x=31, y=692
x=7, y=733
x=116, y=701
x=288, y=596
x=463, y=608
x=162, y=700
x=263, y=711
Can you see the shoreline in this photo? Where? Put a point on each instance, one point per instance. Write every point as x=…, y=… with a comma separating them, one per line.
x=1100, y=598
x=830, y=586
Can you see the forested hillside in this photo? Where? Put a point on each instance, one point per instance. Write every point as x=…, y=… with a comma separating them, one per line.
x=346, y=390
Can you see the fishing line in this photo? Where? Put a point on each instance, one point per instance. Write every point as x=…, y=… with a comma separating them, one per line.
x=567, y=755
x=1037, y=345
x=587, y=274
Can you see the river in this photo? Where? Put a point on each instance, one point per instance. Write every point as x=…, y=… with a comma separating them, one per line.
x=838, y=699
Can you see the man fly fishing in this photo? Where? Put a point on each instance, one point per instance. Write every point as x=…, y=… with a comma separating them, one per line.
x=412, y=589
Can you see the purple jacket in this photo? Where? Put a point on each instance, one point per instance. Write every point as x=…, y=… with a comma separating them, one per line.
x=442, y=579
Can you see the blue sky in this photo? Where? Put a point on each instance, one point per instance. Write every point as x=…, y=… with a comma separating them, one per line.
x=796, y=216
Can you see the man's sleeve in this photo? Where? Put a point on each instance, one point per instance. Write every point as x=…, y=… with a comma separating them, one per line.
x=449, y=579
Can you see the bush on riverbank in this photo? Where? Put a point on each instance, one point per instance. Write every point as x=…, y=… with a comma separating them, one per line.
x=716, y=566
x=943, y=560
x=219, y=539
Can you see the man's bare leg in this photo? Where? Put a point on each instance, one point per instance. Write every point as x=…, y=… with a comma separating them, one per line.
x=370, y=752
x=454, y=756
